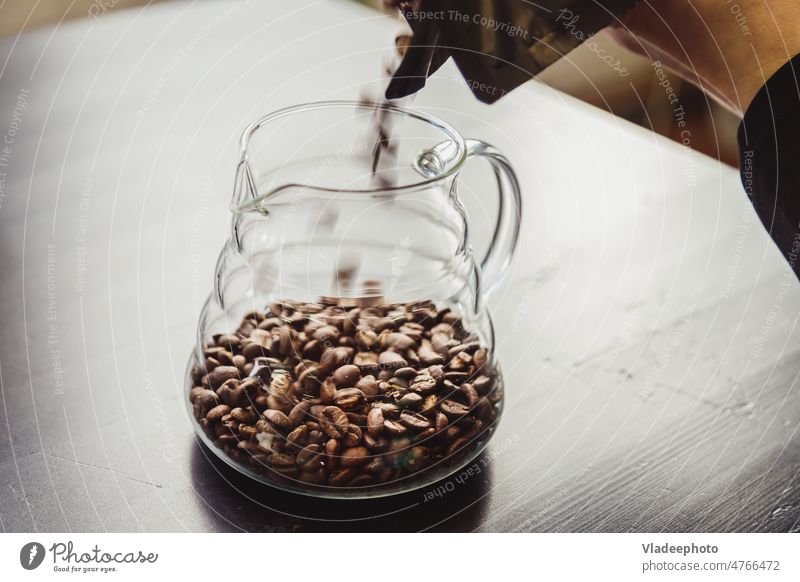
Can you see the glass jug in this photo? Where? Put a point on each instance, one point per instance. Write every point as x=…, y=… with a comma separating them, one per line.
x=346, y=349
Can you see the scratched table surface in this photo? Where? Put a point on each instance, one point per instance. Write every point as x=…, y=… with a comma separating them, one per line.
x=648, y=329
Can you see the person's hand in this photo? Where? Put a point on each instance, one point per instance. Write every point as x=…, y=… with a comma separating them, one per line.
x=728, y=48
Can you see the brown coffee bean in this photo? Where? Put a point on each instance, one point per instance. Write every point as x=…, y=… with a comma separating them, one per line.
x=414, y=421
x=310, y=457
x=457, y=445
x=392, y=360
x=204, y=398
x=298, y=436
x=349, y=398
x=333, y=422
x=244, y=415
x=354, y=457
x=410, y=400
x=366, y=339
x=278, y=420
x=398, y=341
x=310, y=380
x=393, y=428
x=352, y=435
x=389, y=409
x=480, y=358
x=327, y=333
x=299, y=413
x=429, y=357
x=405, y=373
x=375, y=422
x=361, y=480
x=368, y=385
x=342, y=476
x=346, y=376
x=469, y=393
x=220, y=375
x=430, y=404
x=441, y=422
x=456, y=377
x=327, y=392
x=375, y=466
x=313, y=350
x=368, y=360
x=452, y=408
x=375, y=444
x=232, y=394
x=248, y=432
x=216, y=413
x=482, y=384
x=281, y=460
x=333, y=358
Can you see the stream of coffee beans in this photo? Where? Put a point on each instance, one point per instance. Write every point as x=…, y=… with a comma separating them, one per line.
x=346, y=392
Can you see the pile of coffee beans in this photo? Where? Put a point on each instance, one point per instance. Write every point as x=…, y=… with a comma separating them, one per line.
x=346, y=393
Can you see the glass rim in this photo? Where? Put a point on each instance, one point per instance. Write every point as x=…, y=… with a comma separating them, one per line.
x=451, y=133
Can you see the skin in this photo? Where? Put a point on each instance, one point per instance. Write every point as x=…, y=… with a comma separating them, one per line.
x=728, y=48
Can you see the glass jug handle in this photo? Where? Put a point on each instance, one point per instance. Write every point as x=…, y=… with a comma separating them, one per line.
x=506, y=231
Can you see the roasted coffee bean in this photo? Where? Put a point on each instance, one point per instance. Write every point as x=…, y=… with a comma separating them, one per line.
x=349, y=398
x=354, y=457
x=396, y=382
x=375, y=444
x=281, y=460
x=327, y=333
x=278, y=420
x=453, y=408
x=392, y=360
x=389, y=409
x=429, y=357
x=469, y=393
x=352, y=435
x=410, y=400
x=327, y=392
x=441, y=422
x=457, y=445
x=244, y=415
x=414, y=421
x=398, y=341
x=342, y=476
x=333, y=422
x=220, y=375
x=310, y=457
x=366, y=339
x=480, y=358
x=299, y=413
x=310, y=380
x=393, y=428
x=346, y=376
x=366, y=361
x=405, y=373
x=375, y=422
x=482, y=384
x=333, y=358
x=429, y=404
x=368, y=385
x=361, y=480
x=298, y=436
x=232, y=394
x=216, y=413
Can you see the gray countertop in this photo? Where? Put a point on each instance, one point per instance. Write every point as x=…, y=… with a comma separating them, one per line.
x=647, y=328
